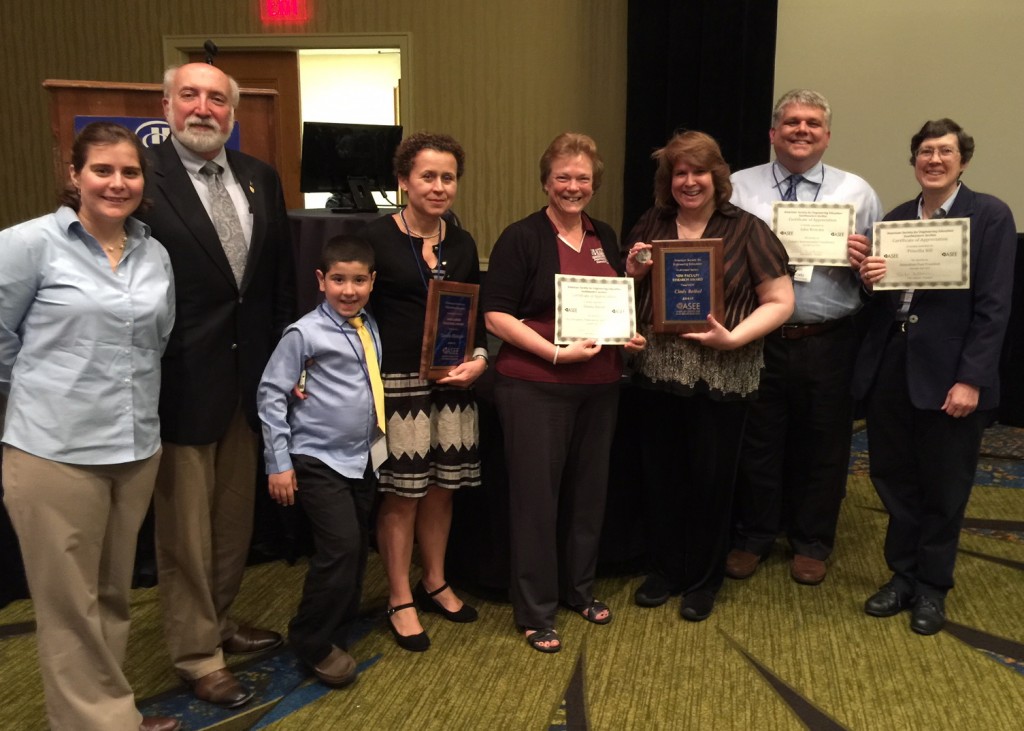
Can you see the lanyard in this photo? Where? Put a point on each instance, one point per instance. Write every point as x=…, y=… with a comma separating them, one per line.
x=322, y=308
x=778, y=183
x=437, y=272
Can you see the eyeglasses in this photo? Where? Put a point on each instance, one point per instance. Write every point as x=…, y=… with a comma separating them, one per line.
x=945, y=153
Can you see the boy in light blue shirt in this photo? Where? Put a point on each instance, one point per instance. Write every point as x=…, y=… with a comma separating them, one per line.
x=319, y=437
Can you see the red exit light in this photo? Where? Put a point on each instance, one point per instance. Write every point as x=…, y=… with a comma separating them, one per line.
x=284, y=11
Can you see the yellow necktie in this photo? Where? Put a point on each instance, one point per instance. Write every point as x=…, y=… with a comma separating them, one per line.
x=376, y=384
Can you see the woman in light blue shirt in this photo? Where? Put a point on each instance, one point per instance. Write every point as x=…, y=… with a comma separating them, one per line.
x=86, y=307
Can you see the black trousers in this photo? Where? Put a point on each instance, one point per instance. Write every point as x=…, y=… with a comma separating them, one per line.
x=922, y=465
x=338, y=509
x=557, y=443
x=796, y=447
x=689, y=461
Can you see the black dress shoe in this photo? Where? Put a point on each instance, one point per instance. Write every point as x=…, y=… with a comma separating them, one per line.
x=419, y=642
x=928, y=616
x=427, y=603
x=888, y=600
x=654, y=592
x=697, y=606
x=221, y=688
x=250, y=640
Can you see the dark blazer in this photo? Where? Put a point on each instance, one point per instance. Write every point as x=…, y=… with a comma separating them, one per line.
x=954, y=335
x=224, y=333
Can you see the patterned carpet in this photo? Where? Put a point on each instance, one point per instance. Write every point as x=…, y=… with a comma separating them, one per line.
x=774, y=655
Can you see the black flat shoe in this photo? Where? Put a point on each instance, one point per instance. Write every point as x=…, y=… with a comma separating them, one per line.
x=654, y=592
x=929, y=615
x=413, y=643
x=889, y=600
x=697, y=607
x=427, y=603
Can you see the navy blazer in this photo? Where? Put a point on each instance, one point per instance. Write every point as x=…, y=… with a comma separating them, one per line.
x=953, y=335
x=224, y=333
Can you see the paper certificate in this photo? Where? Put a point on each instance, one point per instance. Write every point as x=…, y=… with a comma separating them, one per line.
x=932, y=254
x=601, y=308
x=814, y=233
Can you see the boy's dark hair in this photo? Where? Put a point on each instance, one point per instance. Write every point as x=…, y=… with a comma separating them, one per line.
x=346, y=248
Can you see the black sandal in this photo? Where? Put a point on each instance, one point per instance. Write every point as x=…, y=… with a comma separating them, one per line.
x=544, y=635
x=427, y=603
x=591, y=610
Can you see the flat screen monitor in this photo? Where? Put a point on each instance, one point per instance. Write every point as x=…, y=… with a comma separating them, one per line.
x=334, y=154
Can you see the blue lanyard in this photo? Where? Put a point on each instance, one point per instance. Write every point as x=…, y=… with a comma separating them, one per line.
x=778, y=183
x=437, y=272
x=363, y=364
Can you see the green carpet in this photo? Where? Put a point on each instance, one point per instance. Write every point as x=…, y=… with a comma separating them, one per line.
x=774, y=655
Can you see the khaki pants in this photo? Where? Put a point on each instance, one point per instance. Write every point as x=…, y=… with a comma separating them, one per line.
x=77, y=526
x=204, y=513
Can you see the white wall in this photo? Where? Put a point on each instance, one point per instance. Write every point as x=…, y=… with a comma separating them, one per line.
x=345, y=86
x=887, y=66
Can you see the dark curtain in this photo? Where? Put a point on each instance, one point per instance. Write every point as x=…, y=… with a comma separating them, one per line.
x=706, y=65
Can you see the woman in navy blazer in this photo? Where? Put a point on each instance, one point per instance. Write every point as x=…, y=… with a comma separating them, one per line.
x=928, y=370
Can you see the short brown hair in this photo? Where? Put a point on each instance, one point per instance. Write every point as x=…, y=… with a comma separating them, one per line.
x=699, y=150
x=570, y=144
x=940, y=128
x=97, y=134
x=414, y=144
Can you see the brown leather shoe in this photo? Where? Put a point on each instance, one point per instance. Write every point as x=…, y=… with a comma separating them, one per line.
x=336, y=670
x=250, y=640
x=741, y=564
x=221, y=688
x=807, y=570
x=159, y=723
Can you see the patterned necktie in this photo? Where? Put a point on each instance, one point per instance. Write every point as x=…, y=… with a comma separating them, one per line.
x=225, y=220
x=372, y=367
x=794, y=181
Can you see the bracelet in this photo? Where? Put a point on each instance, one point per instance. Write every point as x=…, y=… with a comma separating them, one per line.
x=554, y=361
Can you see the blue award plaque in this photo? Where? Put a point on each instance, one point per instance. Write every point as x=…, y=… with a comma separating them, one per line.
x=448, y=327
x=687, y=285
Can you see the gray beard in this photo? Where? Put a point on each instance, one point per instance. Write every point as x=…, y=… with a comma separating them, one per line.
x=200, y=142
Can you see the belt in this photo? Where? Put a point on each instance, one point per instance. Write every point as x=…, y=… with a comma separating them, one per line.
x=798, y=332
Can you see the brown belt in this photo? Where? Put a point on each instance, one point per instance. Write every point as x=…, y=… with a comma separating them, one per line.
x=797, y=332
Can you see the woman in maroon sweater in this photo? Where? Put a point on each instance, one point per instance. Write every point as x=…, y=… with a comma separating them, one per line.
x=557, y=405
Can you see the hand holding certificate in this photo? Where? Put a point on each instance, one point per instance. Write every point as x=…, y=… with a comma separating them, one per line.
x=814, y=233
x=594, y=308
x=924, y=254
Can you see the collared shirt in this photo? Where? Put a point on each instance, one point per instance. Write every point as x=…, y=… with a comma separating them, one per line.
x=80, y=345
x=830, y=292
x=946, y=207
x=907, y=295
x=336, y=420
x=201, y=183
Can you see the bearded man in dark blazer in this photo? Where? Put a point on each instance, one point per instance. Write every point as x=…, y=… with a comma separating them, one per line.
x=225, y=227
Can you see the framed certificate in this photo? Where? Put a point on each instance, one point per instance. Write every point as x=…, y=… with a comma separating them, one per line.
x=599, y=308
x=449, y=327
x=687, y=284
x=932, y=254
x=814, y=233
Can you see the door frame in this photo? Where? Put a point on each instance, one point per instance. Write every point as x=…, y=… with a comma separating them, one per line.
x=177, y=48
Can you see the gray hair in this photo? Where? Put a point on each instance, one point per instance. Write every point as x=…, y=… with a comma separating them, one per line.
x=805, y=97
x=235, y=94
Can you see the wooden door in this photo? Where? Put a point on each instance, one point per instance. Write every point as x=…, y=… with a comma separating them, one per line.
x=277, y=70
